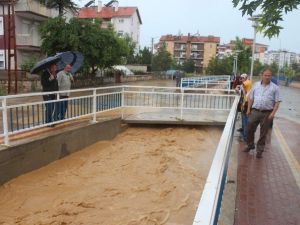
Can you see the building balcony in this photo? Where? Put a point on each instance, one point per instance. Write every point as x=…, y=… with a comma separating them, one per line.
x=27, y=41
x=32, y=9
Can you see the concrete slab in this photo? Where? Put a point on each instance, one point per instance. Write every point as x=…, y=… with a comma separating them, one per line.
x=171, y=116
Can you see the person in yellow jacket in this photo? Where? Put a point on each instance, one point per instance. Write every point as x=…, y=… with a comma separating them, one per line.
x=245, y=90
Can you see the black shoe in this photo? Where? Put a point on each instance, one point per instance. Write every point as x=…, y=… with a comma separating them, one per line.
x=248, y=148
x=240, y=129
x=259, y=155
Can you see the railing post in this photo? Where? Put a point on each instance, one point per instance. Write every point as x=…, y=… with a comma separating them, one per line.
x=122, y=103
x=206, y=86
x=94, y=106
x=5, y=122
x=181, y=105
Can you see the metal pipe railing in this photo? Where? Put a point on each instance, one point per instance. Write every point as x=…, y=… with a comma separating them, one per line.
x=210, y=204
x=18, y=116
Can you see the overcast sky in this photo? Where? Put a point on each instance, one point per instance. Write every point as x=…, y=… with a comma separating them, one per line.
x=208, y=17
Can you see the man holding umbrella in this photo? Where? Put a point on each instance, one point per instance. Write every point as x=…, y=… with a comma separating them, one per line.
x=49, y=84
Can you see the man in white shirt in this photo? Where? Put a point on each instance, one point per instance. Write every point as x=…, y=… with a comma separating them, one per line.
x=65, y=80
x=263, y=103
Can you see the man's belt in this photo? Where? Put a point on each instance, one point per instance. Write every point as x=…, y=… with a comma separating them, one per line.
x=262, y=110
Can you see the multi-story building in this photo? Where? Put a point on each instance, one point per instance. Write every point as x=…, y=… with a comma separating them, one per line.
x=281, y=58
x=229, y=49
x=125, y=20
x=198, y=48
x=27, y=17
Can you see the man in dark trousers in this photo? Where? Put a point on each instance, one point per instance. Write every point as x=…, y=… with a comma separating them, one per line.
x=263, y=103
x=49, y=83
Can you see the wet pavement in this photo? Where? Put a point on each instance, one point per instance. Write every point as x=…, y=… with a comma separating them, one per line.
x=268, y=189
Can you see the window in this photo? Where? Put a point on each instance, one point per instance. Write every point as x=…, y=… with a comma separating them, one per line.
x=2, y=59
x=121, y=20
x=120, y=33
x=25, y=28
x=1, y=26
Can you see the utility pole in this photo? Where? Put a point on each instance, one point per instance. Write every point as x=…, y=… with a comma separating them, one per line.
x=152, y=49
x=10, y=43
x=254, y=20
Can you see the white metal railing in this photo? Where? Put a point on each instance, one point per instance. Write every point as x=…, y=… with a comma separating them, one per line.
x=208, y=210
x=205, y=81
x=29, y=111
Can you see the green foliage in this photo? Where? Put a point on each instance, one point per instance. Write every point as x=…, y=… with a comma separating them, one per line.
x=225, y=66
x=219, y=66
x=143, y=56
x=175, y=65
x=61, y=5
x=188, y=66
x=2, y=90
x=272, y=12
x=243, y=57
x=28, y=64
x=289, y=73
x=131, y=57
x=296, y=68
x=162, y=60
x=274, y=67
x=102, y=48
x=257, y=68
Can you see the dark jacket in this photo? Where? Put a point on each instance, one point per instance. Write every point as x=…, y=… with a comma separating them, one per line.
x=47, y=84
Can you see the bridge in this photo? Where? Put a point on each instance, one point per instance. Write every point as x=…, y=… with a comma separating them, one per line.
x=192, y=105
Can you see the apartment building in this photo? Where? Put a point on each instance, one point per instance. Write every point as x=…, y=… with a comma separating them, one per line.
x=281, y=58
x=198, y=48
x=125, y=20
x=228, y=49
x=28, y=16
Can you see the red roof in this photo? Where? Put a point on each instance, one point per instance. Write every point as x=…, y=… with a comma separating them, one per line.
x=190, y=38
x=108, y=12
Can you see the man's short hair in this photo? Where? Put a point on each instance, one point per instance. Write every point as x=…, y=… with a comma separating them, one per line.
x=265, y=69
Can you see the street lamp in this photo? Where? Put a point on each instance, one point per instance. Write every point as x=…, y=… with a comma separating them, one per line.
x=235, y=61
x=255, y=22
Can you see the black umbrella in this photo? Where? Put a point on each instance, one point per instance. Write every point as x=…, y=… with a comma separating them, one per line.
x=75, y=59
x=43, y=64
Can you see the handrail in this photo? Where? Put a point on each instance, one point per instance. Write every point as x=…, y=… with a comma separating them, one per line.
x=19, y=116
x=209, y=207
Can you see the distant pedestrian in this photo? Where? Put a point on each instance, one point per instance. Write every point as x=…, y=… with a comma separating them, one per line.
x=49, y=84
x=178, y=76
x=65, y=80
x=263, y=103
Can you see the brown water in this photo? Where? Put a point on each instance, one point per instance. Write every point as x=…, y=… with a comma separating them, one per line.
x=145, y=176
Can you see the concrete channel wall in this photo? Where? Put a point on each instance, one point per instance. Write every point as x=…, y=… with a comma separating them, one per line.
x=23, y=158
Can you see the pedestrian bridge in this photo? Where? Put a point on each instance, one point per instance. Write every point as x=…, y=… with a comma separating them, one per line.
x=206, y=81
x=140, y=104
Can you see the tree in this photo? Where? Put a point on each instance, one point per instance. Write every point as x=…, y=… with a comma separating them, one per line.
x=131, y=57
x=144, y=56
x=162, y=60
x=296, y=67
x=188, y=66
x=274, y=67
x=289, y=74
x=101, y=48
x=61, y=5
x=243, y=57
x=272, y=12
x=218, y=66
x=257, y=67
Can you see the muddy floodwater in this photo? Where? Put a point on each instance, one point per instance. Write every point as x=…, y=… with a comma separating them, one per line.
x=145, y=176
